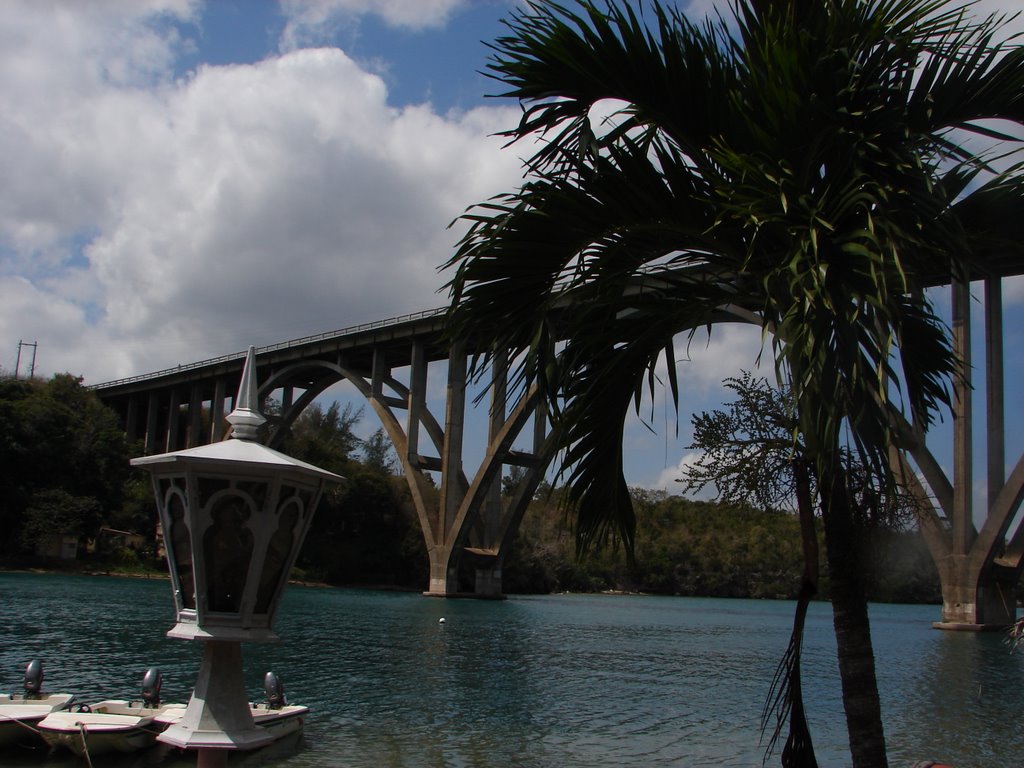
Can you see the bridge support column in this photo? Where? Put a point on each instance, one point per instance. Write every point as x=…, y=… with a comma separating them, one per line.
x=968, y=603
x=195, y=417
x=977, y=570
x=131, y=420
x=959, y=596
x=488, y=581
x=444, y=576
x=445, y=554
x=217, y=411
x=152, y=419
x=174, y=422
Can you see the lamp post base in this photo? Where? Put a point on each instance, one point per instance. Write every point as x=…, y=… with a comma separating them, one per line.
x=217, y=717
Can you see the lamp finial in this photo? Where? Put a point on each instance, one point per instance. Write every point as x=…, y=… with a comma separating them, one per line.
x=246, y=418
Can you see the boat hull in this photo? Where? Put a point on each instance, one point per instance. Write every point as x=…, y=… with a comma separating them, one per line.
x=280, y=722
x=19, y=717
x=111, y=726
x=119, y=726
x=276, y=723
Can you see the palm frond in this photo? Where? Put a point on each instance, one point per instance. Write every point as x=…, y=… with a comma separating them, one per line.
x=785, y=705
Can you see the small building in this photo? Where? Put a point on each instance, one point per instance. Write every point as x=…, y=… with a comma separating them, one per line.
x=59, y=546
x=111, y=538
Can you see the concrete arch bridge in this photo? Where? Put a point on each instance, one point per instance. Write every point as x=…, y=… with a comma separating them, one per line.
x=466, y=523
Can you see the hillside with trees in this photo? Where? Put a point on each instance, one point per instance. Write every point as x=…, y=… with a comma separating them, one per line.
x=68, y=473
x=65, y=463
x=702, y=548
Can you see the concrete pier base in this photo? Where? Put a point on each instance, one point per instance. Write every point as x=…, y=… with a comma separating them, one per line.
x=959, y=626
x=487, y=585
x=488, y=582
x=218, y=717
x=976, y=596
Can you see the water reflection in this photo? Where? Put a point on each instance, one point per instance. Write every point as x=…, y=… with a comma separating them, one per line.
x=958, y=699
x=558, y=681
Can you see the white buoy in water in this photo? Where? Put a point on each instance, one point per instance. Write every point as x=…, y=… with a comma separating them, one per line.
x=441, y=620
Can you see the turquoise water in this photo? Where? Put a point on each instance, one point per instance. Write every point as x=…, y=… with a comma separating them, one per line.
x=538, y=682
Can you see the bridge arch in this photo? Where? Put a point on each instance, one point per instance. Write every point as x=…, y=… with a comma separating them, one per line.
x=978, y=568
x=482, y=527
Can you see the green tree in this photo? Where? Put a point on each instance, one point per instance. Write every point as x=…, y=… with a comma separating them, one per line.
x=379, y=454
x=808, y=165
x=359, y=534
x=136, y=513
x=511, y=480
x=325, y=438
x=59, y=445
x=55, y=511
x=364, y=532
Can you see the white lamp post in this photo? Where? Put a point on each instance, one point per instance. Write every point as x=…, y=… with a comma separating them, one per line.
x=234, y=515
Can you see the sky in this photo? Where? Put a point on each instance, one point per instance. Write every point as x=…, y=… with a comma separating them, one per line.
x=184, y=178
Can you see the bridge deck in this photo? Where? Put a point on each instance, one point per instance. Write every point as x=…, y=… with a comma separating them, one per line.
x=357, y=343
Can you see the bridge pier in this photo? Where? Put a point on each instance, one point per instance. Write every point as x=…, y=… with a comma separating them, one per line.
x=444, y=575
x=978, y=568
x=973, y=600
x=444, y=579
x=488, y=582
x=468, y=523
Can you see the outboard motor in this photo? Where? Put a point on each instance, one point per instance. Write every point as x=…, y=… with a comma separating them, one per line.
x=275, y=691
x=151, y=682
x=34, y=679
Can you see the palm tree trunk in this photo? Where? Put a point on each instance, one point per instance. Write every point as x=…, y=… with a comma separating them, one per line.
x=852, y=627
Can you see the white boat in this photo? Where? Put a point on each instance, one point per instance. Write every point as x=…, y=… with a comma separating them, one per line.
x=126, y=726
x=113, y=725
x=279, y=722
x=20, y=713
x=275, y=715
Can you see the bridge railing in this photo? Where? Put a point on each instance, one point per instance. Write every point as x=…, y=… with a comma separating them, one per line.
x=661, y=269
x=291, y=343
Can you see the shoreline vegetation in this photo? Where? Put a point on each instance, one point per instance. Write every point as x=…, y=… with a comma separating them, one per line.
x=64, y=490
x=684, y=548
x=299, y=582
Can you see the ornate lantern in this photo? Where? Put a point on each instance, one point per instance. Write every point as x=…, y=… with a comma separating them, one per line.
x=234, y=515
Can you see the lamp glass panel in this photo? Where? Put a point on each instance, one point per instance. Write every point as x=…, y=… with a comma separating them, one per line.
x=178, y=542
x=280, y=550
x=257, y=491
x=227, y=549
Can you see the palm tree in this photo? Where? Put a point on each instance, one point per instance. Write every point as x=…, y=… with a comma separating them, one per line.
x=806, y=164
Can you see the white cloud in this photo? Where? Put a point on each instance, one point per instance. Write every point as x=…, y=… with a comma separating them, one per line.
x=60, y=67
x=698, y=10
x=311, y=22
x=244, y=204
x=732, y=348
x=667, y=480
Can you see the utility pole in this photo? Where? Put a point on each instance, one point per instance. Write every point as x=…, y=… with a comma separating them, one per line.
x=32, y=365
